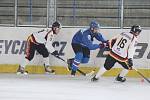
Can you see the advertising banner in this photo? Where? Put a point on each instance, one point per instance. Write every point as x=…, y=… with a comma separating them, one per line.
x=13, y=44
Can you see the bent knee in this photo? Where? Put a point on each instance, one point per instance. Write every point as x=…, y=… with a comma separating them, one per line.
x=107, y=67
x=85, y=60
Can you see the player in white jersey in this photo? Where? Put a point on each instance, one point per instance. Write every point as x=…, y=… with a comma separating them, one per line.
x=41, y=42
x=122, y=49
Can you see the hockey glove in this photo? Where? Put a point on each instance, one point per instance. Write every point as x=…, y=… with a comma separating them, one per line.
x=102, y=45
x=107, y=43
x=55, y=53
x=130, y=63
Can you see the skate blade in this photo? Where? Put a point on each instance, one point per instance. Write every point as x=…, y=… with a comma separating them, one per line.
x=19, y=73
x=49, y=73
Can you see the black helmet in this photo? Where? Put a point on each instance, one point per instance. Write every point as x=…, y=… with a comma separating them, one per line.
x=56, y=24
x=135, y=28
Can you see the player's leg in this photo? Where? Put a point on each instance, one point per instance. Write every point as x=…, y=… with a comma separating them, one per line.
x=121, y=76
x=86, y=55
x=76, y=48
x=44, y=52
x=69, y=62
x=30, y=50
x=82, y=56
x=21, y=68
x=109, y=63
x=76, y=62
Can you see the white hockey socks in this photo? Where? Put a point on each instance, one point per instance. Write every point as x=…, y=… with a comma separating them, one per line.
x=123, y=73
x=46, y=61
x=26, y=61
x=100, y=72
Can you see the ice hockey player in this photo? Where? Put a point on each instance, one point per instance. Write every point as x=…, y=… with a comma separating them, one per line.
x=122, y=49
x=82, y=43
x=41, y=42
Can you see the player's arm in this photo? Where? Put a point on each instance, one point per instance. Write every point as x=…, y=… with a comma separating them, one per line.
x=101, y=38
x=87, y=41
x=131, y=52
x=48, y=43
x=113, y=40
x=132, y=47
x=49, y=46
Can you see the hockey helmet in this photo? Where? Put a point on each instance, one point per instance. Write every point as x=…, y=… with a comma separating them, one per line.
x=135, y=28
x=94, y=25
x=56, y=24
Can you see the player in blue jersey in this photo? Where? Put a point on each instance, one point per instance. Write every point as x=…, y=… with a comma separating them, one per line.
x=82, y=43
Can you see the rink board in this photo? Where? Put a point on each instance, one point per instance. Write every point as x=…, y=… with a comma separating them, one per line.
x=61, y=70
x=13, y=44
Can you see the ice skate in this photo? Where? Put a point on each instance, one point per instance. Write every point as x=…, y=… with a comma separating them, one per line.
x=120, y=79
x=49, y=71
x=69, y=62
x=21, y=70
x=73, y=73
x=94, y=79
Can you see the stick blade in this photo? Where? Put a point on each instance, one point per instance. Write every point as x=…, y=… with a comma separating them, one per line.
x=91, y=73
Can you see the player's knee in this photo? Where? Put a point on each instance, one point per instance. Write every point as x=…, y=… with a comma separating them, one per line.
x=107, y=67
x=45, y=54
x=85, y=60
x=79, y=56
x=29, y=58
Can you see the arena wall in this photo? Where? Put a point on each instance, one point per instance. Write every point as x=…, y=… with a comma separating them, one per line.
x=13, y=44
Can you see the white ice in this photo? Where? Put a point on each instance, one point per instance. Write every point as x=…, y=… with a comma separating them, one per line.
x=55, y=87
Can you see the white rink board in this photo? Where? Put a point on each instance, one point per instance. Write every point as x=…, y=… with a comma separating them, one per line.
x=13, y=39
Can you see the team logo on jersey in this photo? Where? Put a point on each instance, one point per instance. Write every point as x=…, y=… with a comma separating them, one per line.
x=118, y=48
x=89, y=37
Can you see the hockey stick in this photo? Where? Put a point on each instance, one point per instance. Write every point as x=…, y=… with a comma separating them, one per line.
x=81, y=72
x=142, y=75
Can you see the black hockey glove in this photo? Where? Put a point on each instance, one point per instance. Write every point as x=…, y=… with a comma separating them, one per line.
x=130, y=63
x=107, y=43
x=55, y=53
x=102, y=45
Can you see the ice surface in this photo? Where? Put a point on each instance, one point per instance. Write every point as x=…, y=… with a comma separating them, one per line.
x=55, y=87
